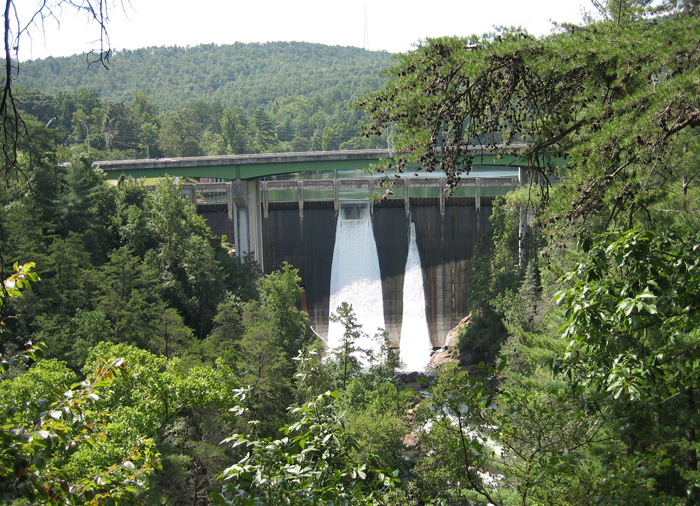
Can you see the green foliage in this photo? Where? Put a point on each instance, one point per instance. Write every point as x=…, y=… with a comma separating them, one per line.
x=128, y=222
x=604, y=414
x=379, y=434
x=529, y=352
x=85, y=431
x=45, y=429
x=179, y=136
x=348, y=358
x=264, y=336
x=631, y=332
x=239, y=75
x=223, y=341
x=503, y=288
x=376, y=412
x=611, y=111
x=316, y=462
x=126, y=297
x=454, y=440
x=47, y=418
x=184, y=409
x=20, y=280
x=264, y=366
x=632, y=309
x=190, y=276
x=155, y=389
x=375, y=405
x=482, y=336
x=281, y=293
x=536, y=445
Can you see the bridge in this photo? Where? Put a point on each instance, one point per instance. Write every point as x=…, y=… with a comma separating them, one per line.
x=256, y=166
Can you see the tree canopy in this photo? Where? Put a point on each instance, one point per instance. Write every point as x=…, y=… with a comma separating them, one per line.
x=613, y=98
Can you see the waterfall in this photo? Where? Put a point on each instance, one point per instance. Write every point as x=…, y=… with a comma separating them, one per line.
x=415, y=346
x=355, y=276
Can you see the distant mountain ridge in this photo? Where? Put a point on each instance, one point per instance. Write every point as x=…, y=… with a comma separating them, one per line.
x=248, y=76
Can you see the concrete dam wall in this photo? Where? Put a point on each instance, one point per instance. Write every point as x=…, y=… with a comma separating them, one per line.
x=445, y=233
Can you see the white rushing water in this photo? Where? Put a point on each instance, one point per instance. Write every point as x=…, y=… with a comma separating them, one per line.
x=415, y=347
x=355, y=276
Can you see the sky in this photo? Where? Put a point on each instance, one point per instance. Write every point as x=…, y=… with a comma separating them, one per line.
x=390, y=25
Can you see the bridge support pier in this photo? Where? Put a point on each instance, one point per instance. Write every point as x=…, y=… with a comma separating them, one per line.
x=406, y=197
x=245, y=212
x=477, y=194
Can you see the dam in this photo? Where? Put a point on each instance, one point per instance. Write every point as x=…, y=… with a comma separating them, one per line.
x=402, y=256
x=445, y=243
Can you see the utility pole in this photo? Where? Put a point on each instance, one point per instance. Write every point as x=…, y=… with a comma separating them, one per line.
x=366, y=41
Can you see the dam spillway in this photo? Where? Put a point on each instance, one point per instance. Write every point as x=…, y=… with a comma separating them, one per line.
x=416, y=346
x=355, y=275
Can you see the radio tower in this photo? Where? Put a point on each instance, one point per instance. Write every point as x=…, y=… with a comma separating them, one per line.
x=366, y=41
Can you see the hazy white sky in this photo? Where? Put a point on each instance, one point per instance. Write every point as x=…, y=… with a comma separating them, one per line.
x=392, y=25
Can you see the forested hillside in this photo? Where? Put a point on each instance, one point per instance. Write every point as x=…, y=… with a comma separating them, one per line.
x=249, y=76
x=210, y=99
